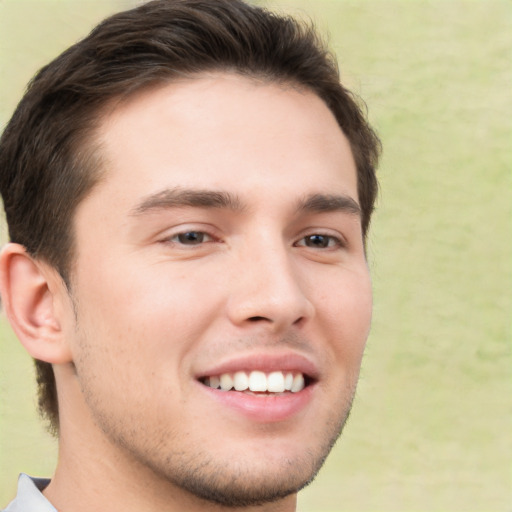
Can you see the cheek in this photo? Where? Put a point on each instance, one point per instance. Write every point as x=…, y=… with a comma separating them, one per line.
x=347, y=313
x=153, y=316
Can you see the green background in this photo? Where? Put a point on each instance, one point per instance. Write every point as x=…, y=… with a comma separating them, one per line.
x=431, y=426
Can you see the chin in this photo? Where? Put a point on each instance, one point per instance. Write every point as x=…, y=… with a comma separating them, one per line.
x=240, y=486
x=251, y=477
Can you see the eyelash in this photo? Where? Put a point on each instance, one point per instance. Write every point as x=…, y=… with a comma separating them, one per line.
x=199, y=234
x=333, y=242
x=197, y=238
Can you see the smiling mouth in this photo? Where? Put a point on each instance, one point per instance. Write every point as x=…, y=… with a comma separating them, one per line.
x=258, y=382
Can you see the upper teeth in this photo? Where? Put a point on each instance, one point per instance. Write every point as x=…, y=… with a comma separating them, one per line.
x=274, y=382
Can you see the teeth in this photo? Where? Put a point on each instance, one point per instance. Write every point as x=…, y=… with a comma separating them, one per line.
x=288, y=381
x=298, y=383
x=241, y=381
x=257, y=381
x=226, y=382
x=275, y=382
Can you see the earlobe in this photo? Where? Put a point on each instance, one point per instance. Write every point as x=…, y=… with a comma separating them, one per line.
x=30, y=291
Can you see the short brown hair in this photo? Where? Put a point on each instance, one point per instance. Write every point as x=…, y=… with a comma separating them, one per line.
x=47, y=165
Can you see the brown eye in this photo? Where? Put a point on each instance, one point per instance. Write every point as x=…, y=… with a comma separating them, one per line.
x=317, y=241
x=191, y=238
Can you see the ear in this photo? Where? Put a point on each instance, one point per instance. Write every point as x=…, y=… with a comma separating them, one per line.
x=34, y=296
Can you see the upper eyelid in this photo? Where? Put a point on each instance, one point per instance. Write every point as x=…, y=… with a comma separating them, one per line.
x=340, y=241
x=213, y=232
x=199, y=231
x=169, y=233
x=328, y=232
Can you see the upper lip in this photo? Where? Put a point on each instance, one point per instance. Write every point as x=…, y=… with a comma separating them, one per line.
x=265, y=362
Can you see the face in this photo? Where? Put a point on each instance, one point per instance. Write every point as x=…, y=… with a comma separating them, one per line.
x=222, y=296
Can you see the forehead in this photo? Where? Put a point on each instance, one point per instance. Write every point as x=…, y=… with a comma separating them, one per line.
x=225, y=131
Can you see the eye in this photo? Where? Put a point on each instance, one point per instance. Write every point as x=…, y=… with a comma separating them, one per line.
x=191, y=238
x=319, y=241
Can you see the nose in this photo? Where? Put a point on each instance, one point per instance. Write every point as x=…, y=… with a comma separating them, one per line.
x=269, y=291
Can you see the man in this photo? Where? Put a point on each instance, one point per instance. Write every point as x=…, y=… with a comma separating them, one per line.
x=188, y=192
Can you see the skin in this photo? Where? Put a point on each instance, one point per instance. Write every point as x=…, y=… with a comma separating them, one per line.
x=150, y=310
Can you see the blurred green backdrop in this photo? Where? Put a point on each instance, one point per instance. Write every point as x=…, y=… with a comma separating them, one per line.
x=431, y=426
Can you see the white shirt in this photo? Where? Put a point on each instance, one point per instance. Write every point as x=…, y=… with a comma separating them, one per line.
x=29, y=497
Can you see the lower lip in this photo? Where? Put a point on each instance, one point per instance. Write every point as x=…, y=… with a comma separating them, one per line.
x=264, y=408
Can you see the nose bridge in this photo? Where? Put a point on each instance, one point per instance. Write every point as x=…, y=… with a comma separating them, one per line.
x=267, y=285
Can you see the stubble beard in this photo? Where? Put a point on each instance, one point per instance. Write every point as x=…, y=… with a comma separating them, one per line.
x=230, y=483
x=226, y=482
x=244, y=487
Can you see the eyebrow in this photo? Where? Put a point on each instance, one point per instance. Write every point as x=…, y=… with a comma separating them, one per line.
x=320, y=203
x=177, y=197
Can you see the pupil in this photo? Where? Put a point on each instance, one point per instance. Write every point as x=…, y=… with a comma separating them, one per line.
x=191, y=237
x=317, y=241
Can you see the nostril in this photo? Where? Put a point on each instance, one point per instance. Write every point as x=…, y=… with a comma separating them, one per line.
x=257, y=318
